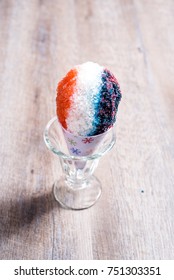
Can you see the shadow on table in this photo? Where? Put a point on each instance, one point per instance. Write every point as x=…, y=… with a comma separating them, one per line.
x=21, y=213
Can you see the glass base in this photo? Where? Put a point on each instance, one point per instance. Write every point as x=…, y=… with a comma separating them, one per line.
x=77, y=197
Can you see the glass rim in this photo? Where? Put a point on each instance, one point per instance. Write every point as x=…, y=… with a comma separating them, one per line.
x=71, y=157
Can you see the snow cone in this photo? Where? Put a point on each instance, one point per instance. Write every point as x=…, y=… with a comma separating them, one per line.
x=87, y=102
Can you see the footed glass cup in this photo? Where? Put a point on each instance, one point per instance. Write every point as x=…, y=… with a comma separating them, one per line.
x=78, y=188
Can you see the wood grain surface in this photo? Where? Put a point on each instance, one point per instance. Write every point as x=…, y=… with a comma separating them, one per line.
x=39, y=42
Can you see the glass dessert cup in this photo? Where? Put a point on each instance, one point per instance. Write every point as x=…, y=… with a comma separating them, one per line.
x=78, y=188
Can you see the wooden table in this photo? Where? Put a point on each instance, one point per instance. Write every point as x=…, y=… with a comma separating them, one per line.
x=39, y=42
